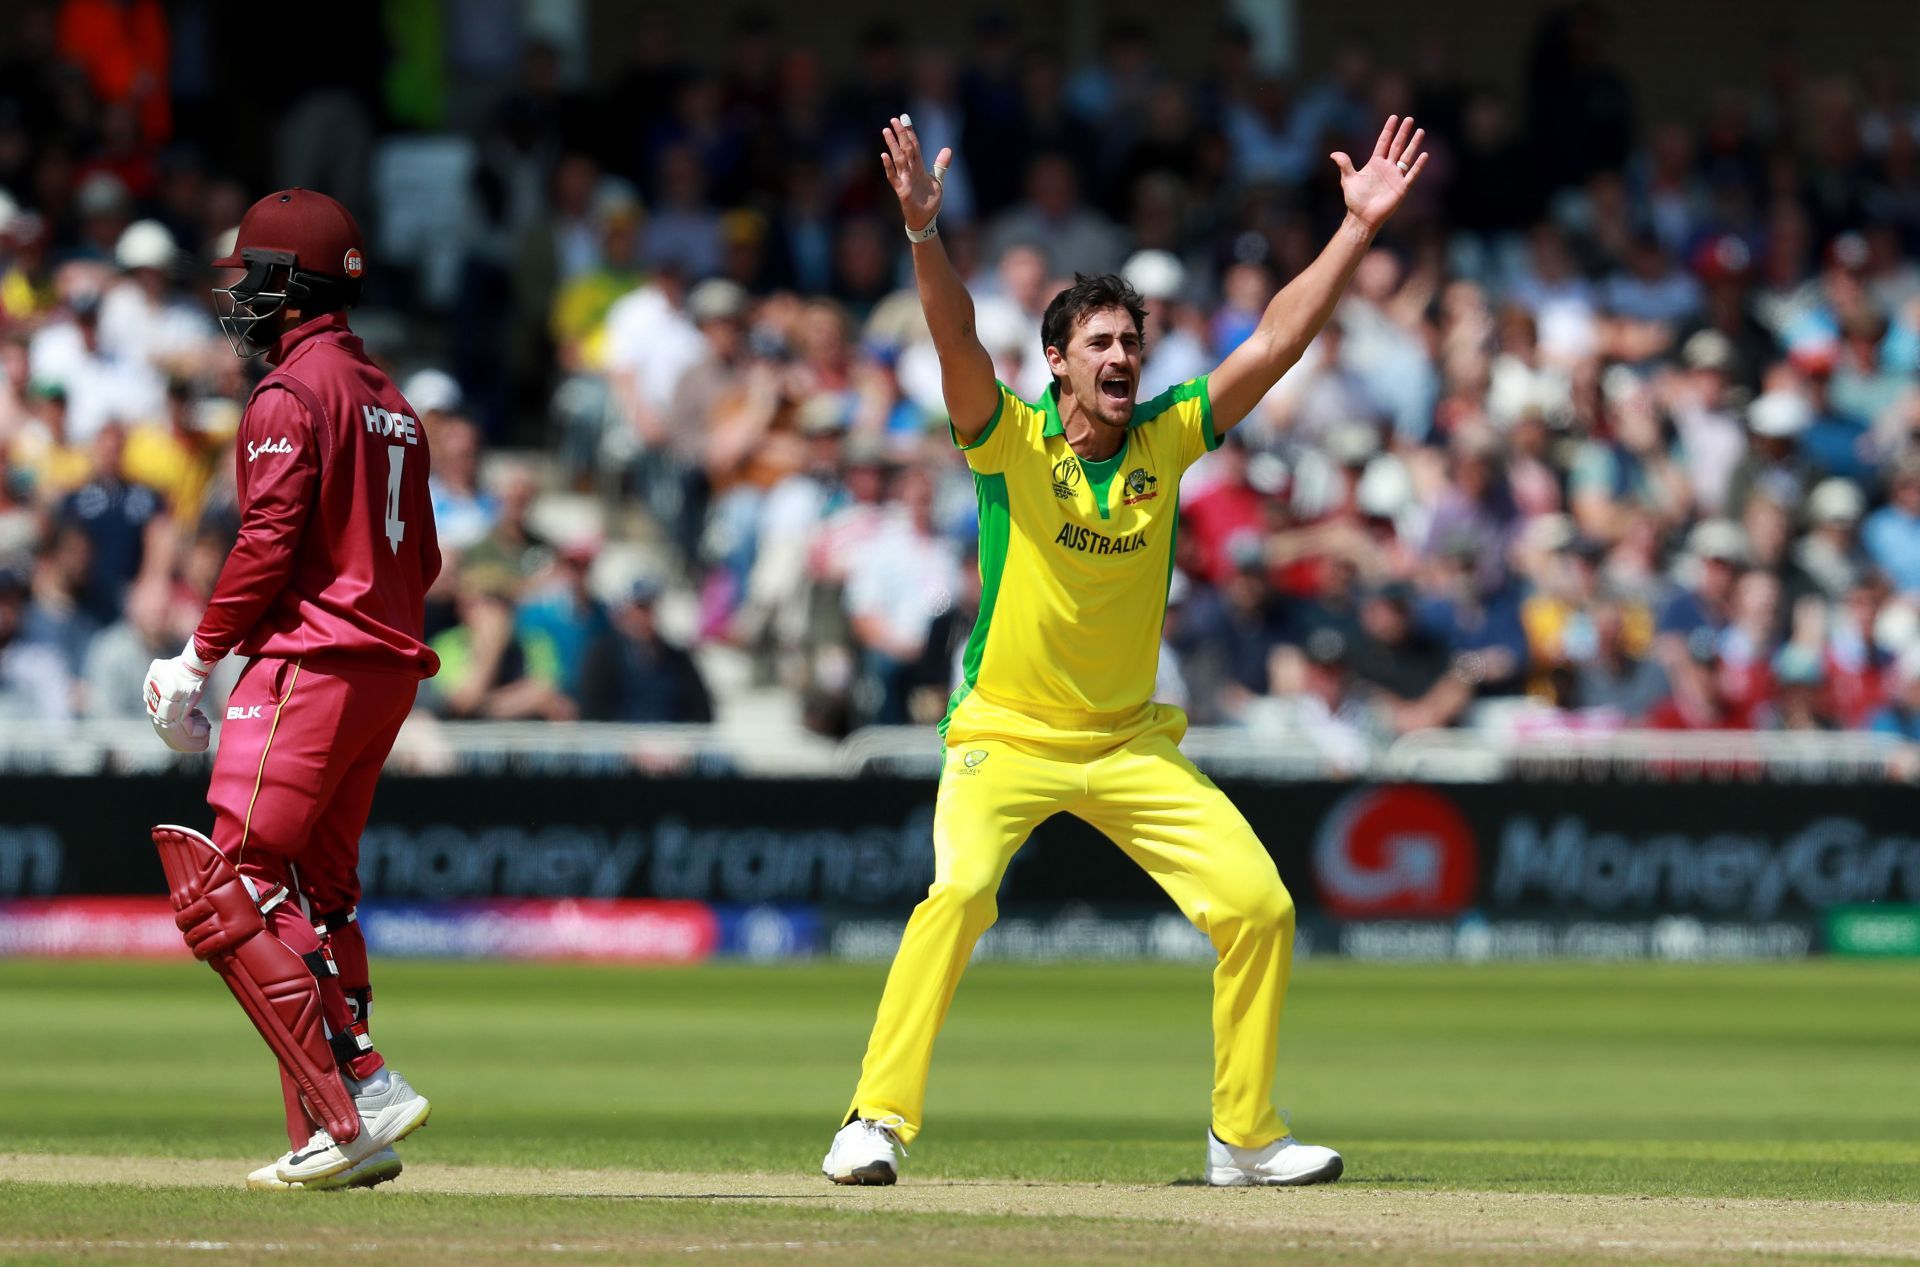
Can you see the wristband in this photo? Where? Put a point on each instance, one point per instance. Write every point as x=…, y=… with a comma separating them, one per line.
x=921, y=235
x=191, y=658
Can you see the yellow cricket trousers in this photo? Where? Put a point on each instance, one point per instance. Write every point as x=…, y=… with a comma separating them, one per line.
x=1004, y=774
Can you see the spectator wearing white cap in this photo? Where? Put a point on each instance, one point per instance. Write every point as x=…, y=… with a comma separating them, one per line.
x=1700, y=611
x=1831, y=553
x=1712, y=440
x=1775, y=422
x=433, y=394
x=1175, y=351
x=143, y=315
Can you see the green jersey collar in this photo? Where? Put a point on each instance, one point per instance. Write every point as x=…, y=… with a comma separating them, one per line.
x=1050, y=405
x=1143, y=411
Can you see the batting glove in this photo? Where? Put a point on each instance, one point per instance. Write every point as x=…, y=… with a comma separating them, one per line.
x=173, y=697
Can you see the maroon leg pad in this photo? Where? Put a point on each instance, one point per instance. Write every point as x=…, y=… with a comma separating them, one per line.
x=300, y=1126
x=273, y=985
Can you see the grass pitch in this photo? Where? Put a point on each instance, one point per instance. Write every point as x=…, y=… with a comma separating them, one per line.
x=599, y=1114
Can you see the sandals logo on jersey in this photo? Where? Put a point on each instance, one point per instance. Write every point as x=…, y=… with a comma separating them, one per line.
x=1396, y=851
x=970, y=761
x=268, y=447
x=1066, y=478
x=1141, y=487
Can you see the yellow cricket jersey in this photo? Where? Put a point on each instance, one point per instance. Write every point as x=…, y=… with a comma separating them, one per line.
x=1075, y=556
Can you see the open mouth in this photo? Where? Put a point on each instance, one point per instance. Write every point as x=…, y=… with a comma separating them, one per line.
x=1117, y=388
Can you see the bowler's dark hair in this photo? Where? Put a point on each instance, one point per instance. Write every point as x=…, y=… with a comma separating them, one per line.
x=1086, y=295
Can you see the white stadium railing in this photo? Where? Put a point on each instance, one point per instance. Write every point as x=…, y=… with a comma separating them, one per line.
x=428, y=747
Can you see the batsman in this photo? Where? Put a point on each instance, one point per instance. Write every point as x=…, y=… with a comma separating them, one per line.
x=324, y=594
x=1078, y=496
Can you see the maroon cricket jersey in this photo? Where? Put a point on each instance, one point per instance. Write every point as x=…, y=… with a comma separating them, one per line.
x=337, y=546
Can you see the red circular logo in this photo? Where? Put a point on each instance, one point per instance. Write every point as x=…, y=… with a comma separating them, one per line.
x=1396, y=851
x=354, y=264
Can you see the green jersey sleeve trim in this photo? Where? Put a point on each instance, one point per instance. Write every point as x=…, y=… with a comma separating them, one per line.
x=999, y=407
x=1207, y=432
x=1146, y=411
x=996, y=531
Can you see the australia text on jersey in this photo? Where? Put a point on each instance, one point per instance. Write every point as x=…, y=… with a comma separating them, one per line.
x=1087, y=541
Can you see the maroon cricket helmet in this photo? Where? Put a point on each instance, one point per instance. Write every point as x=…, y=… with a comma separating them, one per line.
x=300, y=249
x=319, y=235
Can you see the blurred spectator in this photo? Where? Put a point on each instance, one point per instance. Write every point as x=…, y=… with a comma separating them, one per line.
x=1800, y=676
x=34, y=679
x=463, y=512
x=1467, y=618
x=683, y=229
x=142, y=317
x=1892, y=533
x=904, y=578
x=55, y=616
x=1900, y=717
x=1610, y=676
x=1176, y=346
x=1408, y=668
x=633, y=674
x=100, y=385
x=126, y=526
x=487, y=670
x=560, y=619
x=179, y=456
x=1830, y=554
x=1316, y=701
x=117, y=659
x=1858, y=663
x=1075, y=236
x=513, y=543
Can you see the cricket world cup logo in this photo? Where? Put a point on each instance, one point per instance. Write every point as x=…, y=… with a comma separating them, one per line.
x=1396, y=851
x=1066, y=478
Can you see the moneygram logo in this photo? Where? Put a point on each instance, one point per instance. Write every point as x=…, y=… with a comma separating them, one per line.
x=1396, y=851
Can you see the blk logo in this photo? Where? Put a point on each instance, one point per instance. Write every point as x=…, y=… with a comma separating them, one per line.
x=249, y=713
x=1397, y=851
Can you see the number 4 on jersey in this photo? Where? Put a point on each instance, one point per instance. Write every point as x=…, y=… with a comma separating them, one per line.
x=396, y=527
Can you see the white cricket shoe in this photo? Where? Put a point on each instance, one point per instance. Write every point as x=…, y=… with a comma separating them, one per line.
x=390, y=1110
x=866, y=1152
x=1286, y=1162
x=369, y=1172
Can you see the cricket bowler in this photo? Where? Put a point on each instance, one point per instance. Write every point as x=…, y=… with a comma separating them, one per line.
x=324, y=593
x=1078, y=494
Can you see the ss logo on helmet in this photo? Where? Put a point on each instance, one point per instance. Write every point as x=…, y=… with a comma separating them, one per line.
x=353, y=263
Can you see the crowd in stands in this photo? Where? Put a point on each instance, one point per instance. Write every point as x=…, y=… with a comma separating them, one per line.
x=1617, y=426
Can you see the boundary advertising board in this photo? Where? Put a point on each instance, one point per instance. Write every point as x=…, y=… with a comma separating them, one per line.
x=1505, y=866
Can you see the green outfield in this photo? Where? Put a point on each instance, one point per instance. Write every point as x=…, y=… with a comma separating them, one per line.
x=624, y=1115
